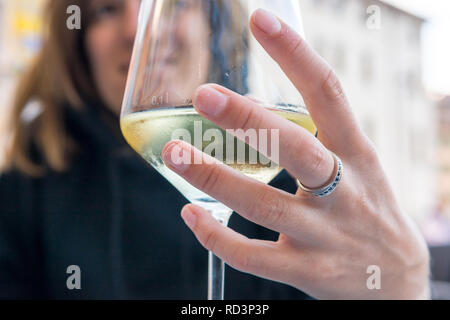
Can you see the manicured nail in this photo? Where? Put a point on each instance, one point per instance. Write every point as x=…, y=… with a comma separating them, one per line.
x=176, y=156
x=267, y=22
x=210, y=101
x=189, y=217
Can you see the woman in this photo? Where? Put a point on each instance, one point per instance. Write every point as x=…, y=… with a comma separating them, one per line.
x=74, y=193
x=119, y=227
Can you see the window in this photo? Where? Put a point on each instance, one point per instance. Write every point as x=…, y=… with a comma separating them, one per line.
x=340, y=58
x=367, y=67
x=318, y=3
x=412, y=83
x=338, y=4
x=319, y=45
x=419, y=150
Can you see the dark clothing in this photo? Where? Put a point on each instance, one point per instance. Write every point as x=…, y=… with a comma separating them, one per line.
x=117, y=219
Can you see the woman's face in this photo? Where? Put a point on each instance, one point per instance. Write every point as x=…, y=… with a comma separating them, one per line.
x=182, y=56
x=110, y=38
x=109, y=42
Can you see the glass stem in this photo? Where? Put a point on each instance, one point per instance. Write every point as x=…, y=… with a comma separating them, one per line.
x=216, y=272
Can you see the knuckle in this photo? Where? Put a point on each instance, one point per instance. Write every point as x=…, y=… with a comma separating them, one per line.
x=209, y=240
x=365, y=206
x=323, y=269
x=248, y=118
x=319, y=160
x=332, y=87
x=270, y=209
x=296, y=47
x=370, y=151
x=240, y=259
x=211, y=178
x=367, y=154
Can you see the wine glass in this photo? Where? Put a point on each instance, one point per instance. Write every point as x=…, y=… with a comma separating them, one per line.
x=182, y=44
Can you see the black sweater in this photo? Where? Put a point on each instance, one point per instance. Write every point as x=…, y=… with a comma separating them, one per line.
x=117, y=219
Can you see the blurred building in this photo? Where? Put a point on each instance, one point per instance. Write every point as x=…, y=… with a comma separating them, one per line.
x=443, y=155
x=20, y=39
x=376, y=50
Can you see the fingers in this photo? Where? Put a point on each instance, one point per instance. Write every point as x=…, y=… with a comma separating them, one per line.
x=253, y=256
x=313, y=77
x=297, y=150
x=255, y=201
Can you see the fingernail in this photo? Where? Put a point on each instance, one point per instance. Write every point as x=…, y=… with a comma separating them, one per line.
x=189, y=217
x=210, y=101
x=176, y=156
x=267, y=22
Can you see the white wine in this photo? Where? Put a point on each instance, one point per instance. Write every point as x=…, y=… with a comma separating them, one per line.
x=149, y=131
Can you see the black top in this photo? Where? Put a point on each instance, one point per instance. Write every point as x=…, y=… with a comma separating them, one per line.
x=117, y=219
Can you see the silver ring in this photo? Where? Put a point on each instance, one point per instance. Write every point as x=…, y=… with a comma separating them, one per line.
x=329, y=187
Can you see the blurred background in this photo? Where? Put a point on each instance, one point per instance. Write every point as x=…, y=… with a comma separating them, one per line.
x=393, y=59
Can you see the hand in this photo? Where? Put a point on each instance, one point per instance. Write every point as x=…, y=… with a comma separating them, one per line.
x=326, y=244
